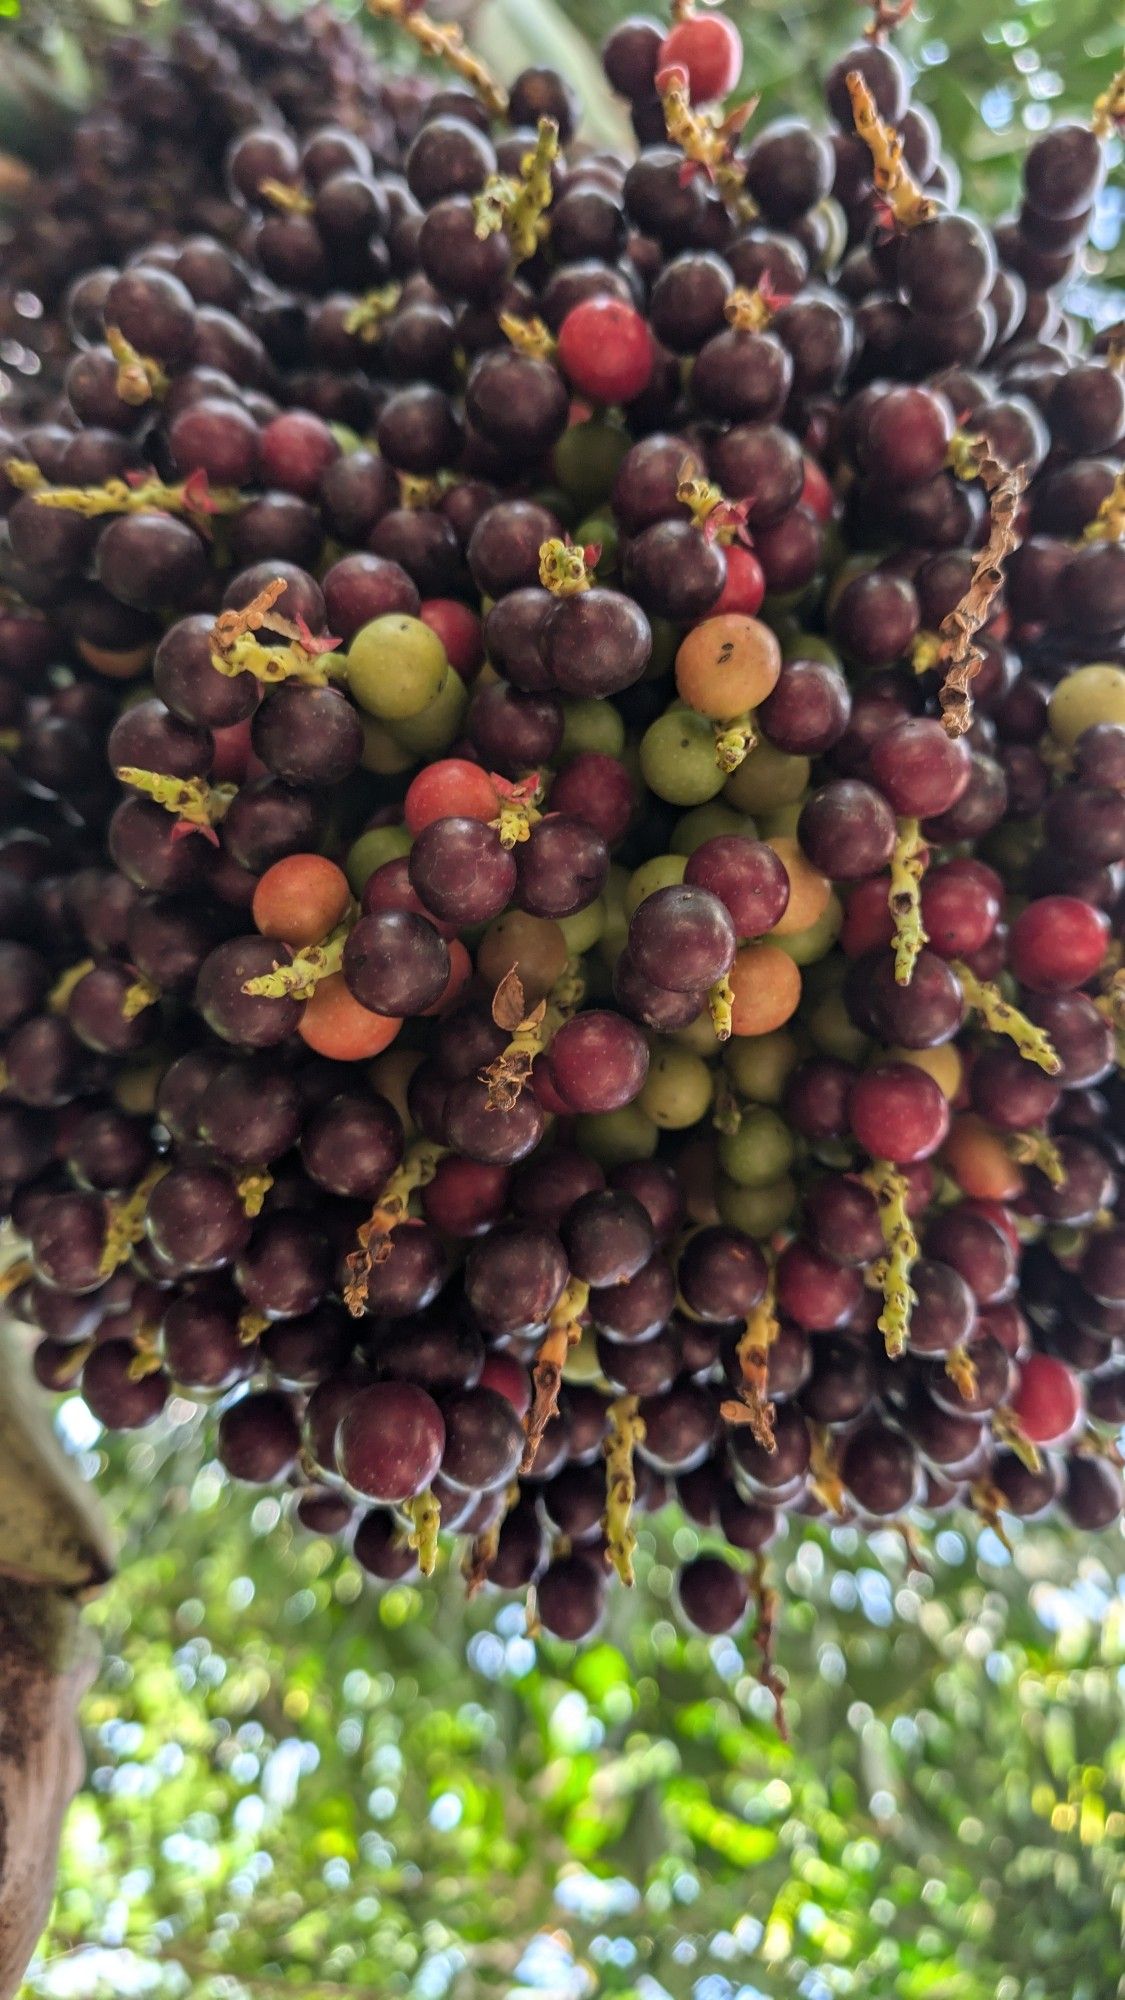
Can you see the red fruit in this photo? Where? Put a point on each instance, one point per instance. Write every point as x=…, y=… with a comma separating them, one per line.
x=961, y=905
x=868, y=924
x=709, y=48
x=745, y=586
x=459, y=630
x=816, y=493
x=920, y=769
x=232, y=753
x=606, y=350
x=1048, y=1401
x=296, y=449
x=898, y=1112
x=502, y=1373
x=1057, y=943
x=453, y=788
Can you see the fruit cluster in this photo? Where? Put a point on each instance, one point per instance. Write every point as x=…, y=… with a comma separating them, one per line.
x=564, y=726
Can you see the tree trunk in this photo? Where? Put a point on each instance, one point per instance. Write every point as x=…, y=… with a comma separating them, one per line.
x=54, y=1550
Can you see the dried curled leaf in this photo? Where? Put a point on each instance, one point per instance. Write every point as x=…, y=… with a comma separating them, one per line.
x=960, y=653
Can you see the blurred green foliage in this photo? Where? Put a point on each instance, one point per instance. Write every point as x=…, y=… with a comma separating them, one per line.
x=298, y=1786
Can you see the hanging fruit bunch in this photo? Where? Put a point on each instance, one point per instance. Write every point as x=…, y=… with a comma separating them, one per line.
x=564, y=726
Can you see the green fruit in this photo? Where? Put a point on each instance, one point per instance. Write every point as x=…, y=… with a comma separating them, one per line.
x=805, y=947
x=706, y=823
x=585, y=927
x=396, y=667
x=586, y=460
x=759, y=1065
x=760, y=1151
x=590, y=725
x=766, y=779
x=613, y=1137
x=1088, y=695
x=677, y=1090
x=371, y=850
x=678, y=758
x=759, y=1211
x=432, y=732
x=664, y=871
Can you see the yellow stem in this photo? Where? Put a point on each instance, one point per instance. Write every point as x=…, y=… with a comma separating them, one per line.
x=752, y=1405
x=282, y=195
x=720, y=1000
x=563, y=569
x=447, y=44
x=908, y=865
x=1108, y=524
x=1038, y=1149
x=374, y=1238
x=304, y=971
x=891, y=176
x=252, y=1191
x=626, y=1431
x=892, y=1271
x=369, y=313
x=962, y=1370
x=1004, y=1019
x=141, y=994
x=564, y=1331
x=824, y=1473
x=140, y=379
x=734, y=741
x=1008, y=1430
x=425, y=1521
x=58, y=999
x=251, y=1326
x=519, y=207
x=125, y=1223
x=1109, y=107
x=482, y=1552
x=529, y=336
x=190, y=799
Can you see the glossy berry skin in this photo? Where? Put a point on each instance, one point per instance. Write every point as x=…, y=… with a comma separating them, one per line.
x=606, y=350
x=1057, y=943
x=1048, y=1400
x=390, y=1441
x=898, y=1113
x=682, y=938
x=709, y=48
x=713, y=1596
x=598, y=1061
x=919, y=768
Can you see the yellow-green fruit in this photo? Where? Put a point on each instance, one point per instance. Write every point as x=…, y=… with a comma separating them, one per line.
x=761, y=1150
x=390, y=1075
x=678, y=758
x=1088, y=695
x=699, y=1036
x=677, y=1089
x=781, y=820
x=612, y=1137
x=805, y=947
x=582, y=1364
x=706, y=823
x=431, y=732
x=584, y=928
x=590, y=725
x=765, y=779
x=759, y=1211
x=383, y=843
x=834, y=1031
x=382, y=753
x=664, y=871
x=396, y=666
x=759, y=1065
x=615, y=930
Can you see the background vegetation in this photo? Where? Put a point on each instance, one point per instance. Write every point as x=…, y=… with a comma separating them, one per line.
x=299, y=1787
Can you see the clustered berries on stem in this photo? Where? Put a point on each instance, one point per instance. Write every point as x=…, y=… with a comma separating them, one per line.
x=562, y=725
